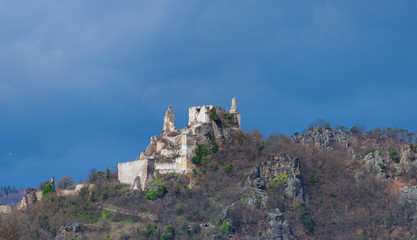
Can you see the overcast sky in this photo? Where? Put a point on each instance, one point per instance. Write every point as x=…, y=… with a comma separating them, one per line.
x=85, y=84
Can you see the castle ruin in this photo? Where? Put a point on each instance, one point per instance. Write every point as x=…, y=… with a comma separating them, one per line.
x=173, y=149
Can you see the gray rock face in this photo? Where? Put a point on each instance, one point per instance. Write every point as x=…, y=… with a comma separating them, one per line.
x=374, y=160
x=410, y=194
x=377, y=156
x=287, y=170
x=71, y=231
x=253, y=189
x=327, y=138
x=280, y=165
x=408, y=157
x=278, y=227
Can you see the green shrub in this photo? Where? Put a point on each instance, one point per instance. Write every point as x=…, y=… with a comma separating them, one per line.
x=177, y=189
x=296, y=134
x=363, y=235
x=214, y=148
x=314, y=177
x=394, y=155
x=92, y=197
x=151, y=232
x=372, y=150
x=213, y=114
x=304, y=216
x=156, y=193
x=382, y=167
x=229, y=115
x=257, y=203
x=354, y=130
x=105, y=193
x=169, y=233
x=201, y=154
x=156, y=190
x=278, y=181
x=228, y=168
x=47, y=188
x=319, y=130
x=226, y=226
x=260, y=145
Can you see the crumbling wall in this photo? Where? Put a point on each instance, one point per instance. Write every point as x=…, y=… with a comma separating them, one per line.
x=128, y=171
x=199, y=114
x=5, y=209
x=32, y=195
x=169, y=122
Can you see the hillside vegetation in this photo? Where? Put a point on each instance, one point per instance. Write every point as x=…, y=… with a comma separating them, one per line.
x=326, y=183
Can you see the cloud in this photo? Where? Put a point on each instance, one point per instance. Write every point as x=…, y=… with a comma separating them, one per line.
x=75, y=73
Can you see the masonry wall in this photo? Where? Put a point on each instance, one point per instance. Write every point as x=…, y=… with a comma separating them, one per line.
x=165, y=167
x=199, y=114
x=128, y=171
x=5, y=209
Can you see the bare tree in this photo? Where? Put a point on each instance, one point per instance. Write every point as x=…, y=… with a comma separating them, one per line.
x=66, y=182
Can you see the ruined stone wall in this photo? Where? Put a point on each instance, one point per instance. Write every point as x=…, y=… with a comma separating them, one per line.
x=164, y=167
x=169, y=121
x=199, y=114
x=128, y=171
x=5, y=209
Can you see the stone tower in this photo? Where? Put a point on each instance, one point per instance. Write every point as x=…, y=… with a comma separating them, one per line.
x=233, y=109
x=169, y=121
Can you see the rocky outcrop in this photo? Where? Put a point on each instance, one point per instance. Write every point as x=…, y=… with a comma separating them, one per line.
x=254, y=189
x=279, y=170
x=281, y=167
x=72, y=231
x=410, y=194
x=278, y=227
x=408, y=155
x=397, y=161
x=377, y=161
x=329, y=138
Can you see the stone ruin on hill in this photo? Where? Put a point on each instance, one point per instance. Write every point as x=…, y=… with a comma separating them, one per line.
x=173, y=150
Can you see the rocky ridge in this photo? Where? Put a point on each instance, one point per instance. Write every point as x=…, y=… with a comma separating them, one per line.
x=329, y=138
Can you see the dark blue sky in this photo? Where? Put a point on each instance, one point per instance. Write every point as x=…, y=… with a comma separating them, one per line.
x=85, y=84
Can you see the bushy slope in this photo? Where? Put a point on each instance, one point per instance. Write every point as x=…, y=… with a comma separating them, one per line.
x=346, y=197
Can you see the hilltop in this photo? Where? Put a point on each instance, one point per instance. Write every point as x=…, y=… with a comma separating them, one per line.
x=325, y=183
